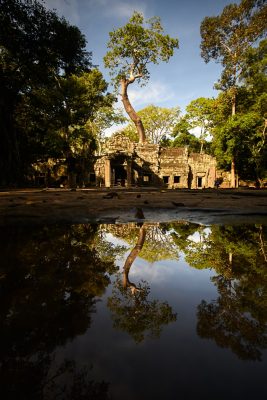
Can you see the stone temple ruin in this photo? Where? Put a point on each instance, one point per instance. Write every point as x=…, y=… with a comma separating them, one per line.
x=125, y=163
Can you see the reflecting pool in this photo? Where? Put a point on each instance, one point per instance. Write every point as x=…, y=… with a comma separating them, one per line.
x=133, y=311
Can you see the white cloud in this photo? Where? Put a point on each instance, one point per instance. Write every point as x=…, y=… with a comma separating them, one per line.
x=119, y=8
x=115, y=128
x=75, y=10
x=154, y=93
x=196, y=131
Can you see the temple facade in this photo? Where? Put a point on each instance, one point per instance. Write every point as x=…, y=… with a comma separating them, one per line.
x=125, y=163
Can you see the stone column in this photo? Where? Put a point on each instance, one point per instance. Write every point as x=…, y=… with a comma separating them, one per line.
x=107, y=173
x=172, y=181
x=211, y=176
x=129, y=174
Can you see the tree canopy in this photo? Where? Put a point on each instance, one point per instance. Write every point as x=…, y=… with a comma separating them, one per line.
x=227, y=38
x=243, y=136
x=49, y=89
x=132, y=48
x=183, y=137
x=36, y=46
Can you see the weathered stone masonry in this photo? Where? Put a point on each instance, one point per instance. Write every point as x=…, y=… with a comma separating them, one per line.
x=125, y=163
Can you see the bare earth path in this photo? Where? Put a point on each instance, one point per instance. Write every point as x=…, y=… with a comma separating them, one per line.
x=31, y=206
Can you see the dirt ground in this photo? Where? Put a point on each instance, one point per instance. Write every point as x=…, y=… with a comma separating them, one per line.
x=139, y=204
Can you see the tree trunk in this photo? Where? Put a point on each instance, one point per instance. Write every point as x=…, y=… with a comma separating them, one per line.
x=131, y=257
x=233, y=181
x=262, y=243
x=233, y=103
x=233, y=174
x=71, y=169
x=131, y=112
x=10, y=169
x=201, y=147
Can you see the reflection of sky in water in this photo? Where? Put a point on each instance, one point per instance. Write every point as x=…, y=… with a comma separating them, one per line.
x=196, y=237
x=179, y=365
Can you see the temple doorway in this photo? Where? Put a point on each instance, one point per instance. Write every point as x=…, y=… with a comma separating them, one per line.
x=199, y=181
x=119, y=171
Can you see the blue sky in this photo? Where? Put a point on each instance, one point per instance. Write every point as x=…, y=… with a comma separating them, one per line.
x=185, y=77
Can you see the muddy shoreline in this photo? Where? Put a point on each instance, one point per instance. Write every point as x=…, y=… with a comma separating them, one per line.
x=121, y=205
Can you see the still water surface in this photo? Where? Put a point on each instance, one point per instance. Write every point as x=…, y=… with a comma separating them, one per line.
x=152, y=311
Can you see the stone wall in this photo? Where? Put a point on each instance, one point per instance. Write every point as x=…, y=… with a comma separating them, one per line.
x=203, y=170
x=174, y=167
x=126, y=163
x=118, y=143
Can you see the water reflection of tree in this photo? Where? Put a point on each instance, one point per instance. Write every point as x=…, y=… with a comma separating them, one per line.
x=131, y=309
x=230, y=321
x=159, y=243
x=238, y=318
x=182, y=232
x=221, y=247
x=191, y=239
x=50, y=278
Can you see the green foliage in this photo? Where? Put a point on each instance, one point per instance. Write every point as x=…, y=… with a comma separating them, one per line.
x=199, y=115
x=238, y=318
x=132, y=48
x=182, y=136
x=227, y=37
x=103, y=119
x=130, y=132
x=187, y=139
x=158, y=245
x=181, y=233
x=56, y=121
x=135, y=45
x=37, y=47
x=254, y=77
x=245, y=244
x=36, y=44
x=242, y=138
x=58, y=115
x=230, y=324
x=136, y=314
x=256, y=65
